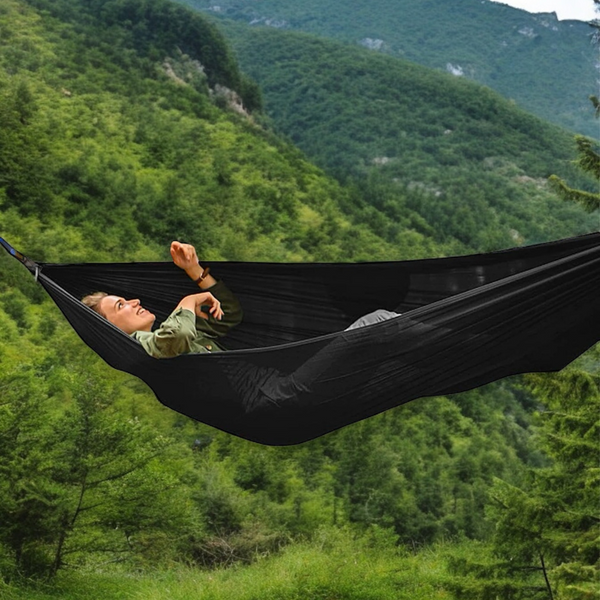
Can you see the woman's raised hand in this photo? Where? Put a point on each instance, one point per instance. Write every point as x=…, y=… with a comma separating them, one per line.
x=184, y=256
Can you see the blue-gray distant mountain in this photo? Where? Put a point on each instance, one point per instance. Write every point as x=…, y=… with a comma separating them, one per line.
x=547, y=66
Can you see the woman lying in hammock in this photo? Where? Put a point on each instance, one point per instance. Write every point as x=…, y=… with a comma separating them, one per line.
x=189, y=328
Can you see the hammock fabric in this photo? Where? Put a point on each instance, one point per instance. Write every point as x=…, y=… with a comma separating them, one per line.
x=293, y=374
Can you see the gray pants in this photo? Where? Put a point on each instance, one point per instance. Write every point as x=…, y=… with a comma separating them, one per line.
x=281, y=388
x=372, y=318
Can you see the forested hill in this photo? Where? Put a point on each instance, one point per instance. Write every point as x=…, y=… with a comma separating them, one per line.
x=121, y=128
x=547, y=66
x=153, y=30
x=438, y=153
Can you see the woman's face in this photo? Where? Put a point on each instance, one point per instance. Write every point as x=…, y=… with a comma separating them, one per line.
x=128, y=315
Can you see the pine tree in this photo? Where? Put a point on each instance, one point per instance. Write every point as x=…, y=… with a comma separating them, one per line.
x=545, y=544
x=81, y=483
x=553, y=528
x=589, y=159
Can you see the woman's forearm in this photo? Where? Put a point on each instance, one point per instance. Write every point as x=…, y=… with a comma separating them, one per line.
x=187, y=302
x=185, y=257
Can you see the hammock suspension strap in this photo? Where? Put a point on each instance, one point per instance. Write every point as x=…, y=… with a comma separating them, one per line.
x=30, y=264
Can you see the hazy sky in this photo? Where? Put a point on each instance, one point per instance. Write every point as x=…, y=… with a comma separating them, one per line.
x=565, y=9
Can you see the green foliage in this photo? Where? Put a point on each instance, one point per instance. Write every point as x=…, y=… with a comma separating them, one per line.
x=546, y=534
x=423, y=150
x=116, y=155
x=155, y=29
x=78, y=479
x=545, y=65
x=111, y=146
x=476, y=573
x=588, y=200
x=420, y=472
x=588, y=161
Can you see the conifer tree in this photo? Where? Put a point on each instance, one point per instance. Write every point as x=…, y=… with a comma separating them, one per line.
x=589, y=159
x=545, y=544
x=552, y=529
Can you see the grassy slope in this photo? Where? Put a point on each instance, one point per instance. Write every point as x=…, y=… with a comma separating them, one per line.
x=332, y=569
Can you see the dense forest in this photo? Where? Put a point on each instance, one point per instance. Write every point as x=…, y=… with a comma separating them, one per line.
x=545, y=65
x=451, y=158
x=125, y=124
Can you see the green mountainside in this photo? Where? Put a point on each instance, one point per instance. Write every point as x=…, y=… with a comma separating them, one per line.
x=548, y=67
x=440, y=154
x=120, y=130
x=113, y=139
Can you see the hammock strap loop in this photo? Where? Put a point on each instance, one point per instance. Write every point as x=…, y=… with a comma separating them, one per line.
x=30, y=264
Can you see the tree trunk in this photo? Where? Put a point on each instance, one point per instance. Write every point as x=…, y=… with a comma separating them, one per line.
x=548, y=586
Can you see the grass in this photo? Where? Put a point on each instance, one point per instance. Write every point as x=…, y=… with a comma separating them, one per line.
x=342, y=570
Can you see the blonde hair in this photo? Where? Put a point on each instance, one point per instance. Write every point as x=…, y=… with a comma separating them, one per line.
x=93, y=301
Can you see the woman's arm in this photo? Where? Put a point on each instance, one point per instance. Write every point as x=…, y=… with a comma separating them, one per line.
x=232, y=313
x=185, y=257
x=177, y=333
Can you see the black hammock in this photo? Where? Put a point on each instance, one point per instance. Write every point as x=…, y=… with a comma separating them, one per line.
x=291, y=373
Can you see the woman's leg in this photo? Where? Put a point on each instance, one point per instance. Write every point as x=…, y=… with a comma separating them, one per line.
x=285, y=388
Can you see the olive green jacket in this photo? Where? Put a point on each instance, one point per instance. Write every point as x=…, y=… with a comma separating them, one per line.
x=182, y=332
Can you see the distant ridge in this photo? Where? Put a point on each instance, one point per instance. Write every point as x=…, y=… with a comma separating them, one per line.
x=441, y=154
x=547, y=66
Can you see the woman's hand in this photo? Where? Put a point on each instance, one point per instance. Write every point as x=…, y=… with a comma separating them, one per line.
x=195, y=302
x=185, y=257
x=214, y=306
